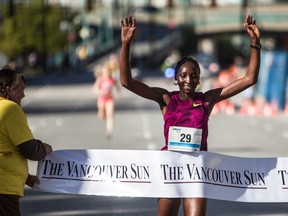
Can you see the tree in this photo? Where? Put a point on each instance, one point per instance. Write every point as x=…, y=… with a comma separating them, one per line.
x=33, y=27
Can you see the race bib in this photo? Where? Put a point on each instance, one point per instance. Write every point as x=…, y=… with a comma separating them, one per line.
x=184, y=139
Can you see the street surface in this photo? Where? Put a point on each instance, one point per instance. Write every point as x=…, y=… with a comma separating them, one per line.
x=65, y=116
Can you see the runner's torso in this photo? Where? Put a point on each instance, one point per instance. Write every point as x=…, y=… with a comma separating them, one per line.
x=191, y=113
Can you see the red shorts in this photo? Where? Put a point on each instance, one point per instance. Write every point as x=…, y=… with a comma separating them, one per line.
x=104, y=99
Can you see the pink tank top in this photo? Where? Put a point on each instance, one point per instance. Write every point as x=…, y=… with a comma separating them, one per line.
x=191, y=113
x=106, y=86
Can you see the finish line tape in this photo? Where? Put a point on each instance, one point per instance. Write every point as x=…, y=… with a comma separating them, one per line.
x=144, y=173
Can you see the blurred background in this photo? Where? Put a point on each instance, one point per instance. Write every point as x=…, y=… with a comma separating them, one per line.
x=40, y=37
x=60, y=44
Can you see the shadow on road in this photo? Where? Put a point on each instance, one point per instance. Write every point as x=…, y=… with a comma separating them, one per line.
x=40, y=204
x=81, y=77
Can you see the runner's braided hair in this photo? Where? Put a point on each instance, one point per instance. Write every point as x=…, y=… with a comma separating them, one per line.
x=8, y=77
x=195, y=64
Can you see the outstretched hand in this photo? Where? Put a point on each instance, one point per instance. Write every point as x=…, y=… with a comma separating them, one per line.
x=31, y=180
x=128, y=26
x=252, y=29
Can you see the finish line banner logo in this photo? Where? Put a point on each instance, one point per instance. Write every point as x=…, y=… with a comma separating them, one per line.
x=140, y=173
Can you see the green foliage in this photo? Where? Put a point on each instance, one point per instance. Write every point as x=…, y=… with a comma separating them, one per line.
x=32, y=27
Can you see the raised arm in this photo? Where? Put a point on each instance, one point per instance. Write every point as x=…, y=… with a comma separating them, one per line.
x=251, y=76
x=128, y=26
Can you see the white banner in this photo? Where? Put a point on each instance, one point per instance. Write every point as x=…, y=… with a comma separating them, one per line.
x=140, y=173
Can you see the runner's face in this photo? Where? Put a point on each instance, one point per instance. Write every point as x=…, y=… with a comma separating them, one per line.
x=16, y=93
x=188, y=78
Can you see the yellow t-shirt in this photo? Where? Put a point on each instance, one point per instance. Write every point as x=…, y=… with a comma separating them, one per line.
x=14, y=130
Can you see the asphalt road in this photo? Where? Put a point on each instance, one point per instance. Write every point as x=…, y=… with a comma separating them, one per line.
x=63, y=113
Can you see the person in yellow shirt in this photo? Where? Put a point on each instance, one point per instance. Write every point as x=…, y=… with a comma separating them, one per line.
x=17, y=143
